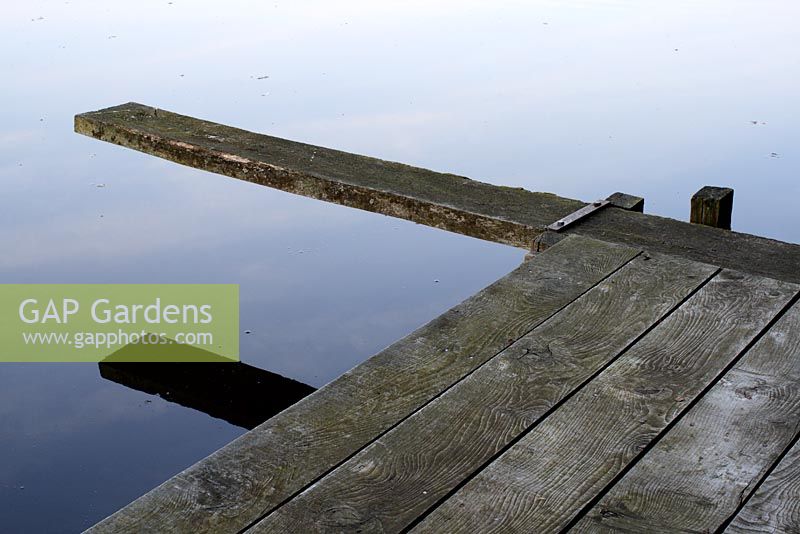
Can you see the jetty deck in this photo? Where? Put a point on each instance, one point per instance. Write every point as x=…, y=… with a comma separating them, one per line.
x=639, y=374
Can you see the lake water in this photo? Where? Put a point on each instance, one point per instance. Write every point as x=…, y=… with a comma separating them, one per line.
x=579, y=98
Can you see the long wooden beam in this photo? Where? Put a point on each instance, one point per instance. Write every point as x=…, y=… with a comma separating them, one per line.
x=513, y=216
x=508, y=215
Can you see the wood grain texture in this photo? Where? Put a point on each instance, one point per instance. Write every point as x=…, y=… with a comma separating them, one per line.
x=244, y=480
x=712, y=206
x=508, y=215
x=389, y=484
x=732, y=250
x=698, y=475
x=541, y=483
x=775, y=507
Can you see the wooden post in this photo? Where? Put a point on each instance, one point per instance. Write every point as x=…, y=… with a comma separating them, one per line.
x=712, y=206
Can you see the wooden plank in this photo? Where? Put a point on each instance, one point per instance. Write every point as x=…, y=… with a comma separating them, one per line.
x=545, y=479
x=775, y=506
x=732, y=250
x=507, y=215
x=243, y=481
x=390, y=483
x=504, y=214
x=697, y=476
x=627, y=202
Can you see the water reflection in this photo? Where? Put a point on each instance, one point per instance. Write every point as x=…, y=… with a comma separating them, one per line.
x=579, y=98
x=241, y=394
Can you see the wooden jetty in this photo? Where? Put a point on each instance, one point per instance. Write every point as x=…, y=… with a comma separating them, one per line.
x=639, y=374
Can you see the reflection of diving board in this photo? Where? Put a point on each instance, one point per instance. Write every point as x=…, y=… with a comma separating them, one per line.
x=241, y=394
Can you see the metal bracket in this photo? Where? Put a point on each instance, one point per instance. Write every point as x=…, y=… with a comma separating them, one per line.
x=578, y=215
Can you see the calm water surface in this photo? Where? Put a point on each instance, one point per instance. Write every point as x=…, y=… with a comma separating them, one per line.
x=579, y=98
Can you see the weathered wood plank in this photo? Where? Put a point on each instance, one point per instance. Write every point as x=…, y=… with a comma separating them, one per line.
x=243, y=481
x=389, y=484
x=732, y=250
x=697, y=476
x=507, y=215
x=541, y=482
x=626, y=201
x=775, y=507
x=504, y=214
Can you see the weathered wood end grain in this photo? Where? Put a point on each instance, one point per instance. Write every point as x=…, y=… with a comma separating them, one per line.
x=543, y=481
x=246, y=479
x=712, y=206
x=626, y=201
x=507, y=215
x=698, y=475
x=385, y=487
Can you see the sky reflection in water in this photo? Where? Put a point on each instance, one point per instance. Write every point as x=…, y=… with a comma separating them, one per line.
x=578, y=98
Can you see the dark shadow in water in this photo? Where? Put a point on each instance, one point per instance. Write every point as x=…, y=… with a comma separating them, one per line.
x=241, y=394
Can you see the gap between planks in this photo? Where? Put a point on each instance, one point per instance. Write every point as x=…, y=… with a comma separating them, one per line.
x=556, y=470
x=419, y=462
x=704, y=470
x=774, y=505
x=240, y=483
